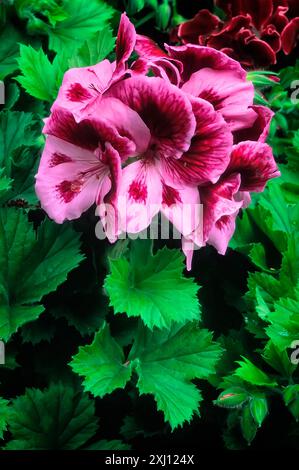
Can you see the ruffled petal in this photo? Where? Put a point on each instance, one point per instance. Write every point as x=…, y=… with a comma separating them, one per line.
x=289, y=36
x=82, y=87
x=140, y=196
x=117, y=124
x=220, y=208
x=181, y=205
x=259, y=10
x=165, y=110
x=195, y=58
x=125, y=43
x=209, y=153
x=146, y=47
x=68, y=179
x=272, y=37
x=157, y=60
x=255, y=163
x=203, y=23
x=260, y=127
x=227, y=92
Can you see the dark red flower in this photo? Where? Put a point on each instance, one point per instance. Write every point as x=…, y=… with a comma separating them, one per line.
x=253, y=33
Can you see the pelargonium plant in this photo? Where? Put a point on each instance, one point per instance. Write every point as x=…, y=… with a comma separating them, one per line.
x=188, y=135
x=149, y=268
x=252, y=32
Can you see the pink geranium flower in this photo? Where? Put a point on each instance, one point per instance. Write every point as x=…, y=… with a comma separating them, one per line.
x=81, y=162
x=83, y=88
x=189, y=146
x=251, y=166
x=137, y=145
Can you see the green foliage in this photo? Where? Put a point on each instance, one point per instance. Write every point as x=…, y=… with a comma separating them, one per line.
x=81, y=22
x=291, y=399
x=165, y=362
x=40, y=78
x=31, y=266
x=58, y=417
x=4, y=413
x=155, y=361
x=252, y=374
x=95, y=49
x=144, y=287
x=102, y=364
x=9, y=50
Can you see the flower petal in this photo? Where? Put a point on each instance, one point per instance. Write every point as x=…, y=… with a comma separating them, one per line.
x=108, y=196
x=260, y=127
x=255, y=163
x=157, y=60
x=195, y=58
x=259, y=10
x=219, y=202
x=209, y=153
x=69, y=187
x=182, y=207
x=289, y=36
x=165, y=110
x=117, y=124
x=146, y=47
x=140, y=196
x=222, y=232
x=125, y=43
x=202, y=23
x=228, y=93
x=81, y=87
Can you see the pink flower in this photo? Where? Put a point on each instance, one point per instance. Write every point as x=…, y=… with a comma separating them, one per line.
x=81, y=162
x=251, y=166
x=189, y=146
x=83, y=88
x=138, y=145
x=212, y=75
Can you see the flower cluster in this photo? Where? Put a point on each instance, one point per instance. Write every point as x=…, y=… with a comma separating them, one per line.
x=253, y=32
x=139, y=143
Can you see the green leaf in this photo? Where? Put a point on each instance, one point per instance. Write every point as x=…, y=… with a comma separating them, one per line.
x=278, y=359
x=252, y=374
x=9, y=50
x=102, y=363
x=40, y=78
x=108, y=445
x=259, y=409
x=5, y=184
x=32, y=11
x=19, y=141
x=248, y=425
x=4, y=413
x=233, y=397
x=12, y=94
x=146, y=288
x=42, y=329
x=290, y=261
x=15, y=131
x=291, y=399
x=94, y=49
x=83, y=20
x=167, y=361
x=58, y=417
x=31, y=267
x=284, y=327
